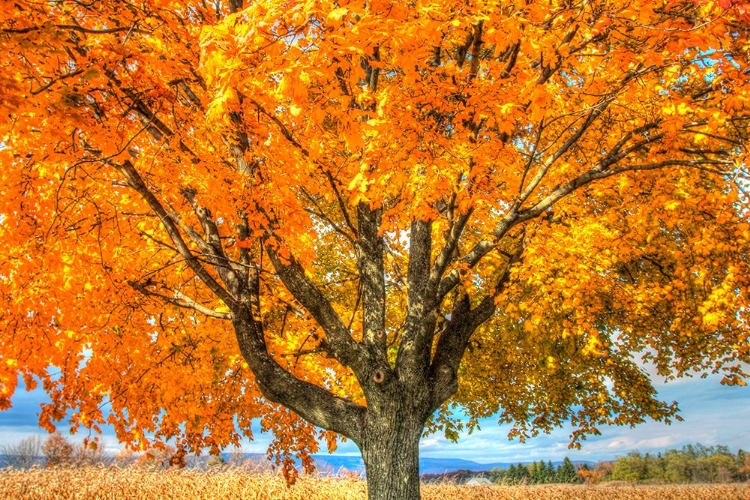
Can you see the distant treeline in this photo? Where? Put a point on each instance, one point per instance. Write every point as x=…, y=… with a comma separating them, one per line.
x=534, y=473
x=537, y=473
x=690, y=464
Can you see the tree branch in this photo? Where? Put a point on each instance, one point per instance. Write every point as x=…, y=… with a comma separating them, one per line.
x=457, y=332
x=136, y=182
x=318, y=212
x=414, y=349
x=595, y=112
x=370, y=262
x=314, y=404
x=599, y=173
x=211, y=244
x=74, y=27
x=343, y=346
x=183, y=301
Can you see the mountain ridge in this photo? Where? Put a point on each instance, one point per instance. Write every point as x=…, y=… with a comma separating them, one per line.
x=334, y=464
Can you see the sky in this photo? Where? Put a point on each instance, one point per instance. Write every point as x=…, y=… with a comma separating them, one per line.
x=713, y=415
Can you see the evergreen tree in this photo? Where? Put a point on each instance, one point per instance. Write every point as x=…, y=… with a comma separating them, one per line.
x=566, y=473
x=524, y=475
x=549, y=473
x=534, y=473
x=511, y=476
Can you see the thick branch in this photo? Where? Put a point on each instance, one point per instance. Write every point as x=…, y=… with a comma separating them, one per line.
x=414, y=351
x=456, y=334
x=159, y=127
x=476, y=254
x=343, y=346
x=448, y=251
x=476, y=46
x=235, y=6
x=370, y=262
x=314, y=404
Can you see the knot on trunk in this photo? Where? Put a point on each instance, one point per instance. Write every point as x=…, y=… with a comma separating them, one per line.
x=379, y=376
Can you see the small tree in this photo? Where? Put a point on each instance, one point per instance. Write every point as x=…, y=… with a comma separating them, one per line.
x=523, y=475
x=236, y=457
x=534, y=472
x=90, y=452
x=631, y=468
x=601, y=471
x=216, y=462
x=162, y=457
x=57, y=450
x=24, y=454
x=549, y=472
x=125, y=457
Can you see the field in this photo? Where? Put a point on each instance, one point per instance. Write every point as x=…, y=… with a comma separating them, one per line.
x=125, y=484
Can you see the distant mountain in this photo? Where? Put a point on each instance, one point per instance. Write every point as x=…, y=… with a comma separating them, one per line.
x=334, y=464
x=444, y=465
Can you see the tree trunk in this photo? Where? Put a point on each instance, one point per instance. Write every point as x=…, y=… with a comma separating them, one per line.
x=390, y=450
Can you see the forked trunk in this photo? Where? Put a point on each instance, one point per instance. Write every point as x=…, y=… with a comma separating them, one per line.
x=391, y=455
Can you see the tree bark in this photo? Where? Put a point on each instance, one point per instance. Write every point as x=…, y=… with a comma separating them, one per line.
x=390, y=450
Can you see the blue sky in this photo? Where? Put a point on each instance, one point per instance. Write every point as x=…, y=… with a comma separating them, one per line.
x=714, y=414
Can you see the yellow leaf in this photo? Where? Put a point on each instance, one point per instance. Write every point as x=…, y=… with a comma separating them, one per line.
x=337, y=14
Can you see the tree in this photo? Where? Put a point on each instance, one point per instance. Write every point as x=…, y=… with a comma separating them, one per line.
x=534, y=473
x=88, y=453
x=501, y=476
x=512, y=476
x=23, y=454
x=57, y=450
x=161, y=457
x=655, y=468
x=677, y=466
x=602, y=471
x=523, y=474
x=236, y=458
x=549, y=472
x=631, y=468
x=566, y=473
x=346, y=218
x=742, y=463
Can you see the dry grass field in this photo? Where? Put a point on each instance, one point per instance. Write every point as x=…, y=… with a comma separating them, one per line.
x=125, y=484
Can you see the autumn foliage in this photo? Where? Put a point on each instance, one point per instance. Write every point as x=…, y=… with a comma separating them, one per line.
x=214, y=212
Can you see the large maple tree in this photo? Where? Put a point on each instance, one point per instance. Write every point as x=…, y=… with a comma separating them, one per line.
x=348, y=218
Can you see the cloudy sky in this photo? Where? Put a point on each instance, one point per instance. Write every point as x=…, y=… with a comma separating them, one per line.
x=714, y=414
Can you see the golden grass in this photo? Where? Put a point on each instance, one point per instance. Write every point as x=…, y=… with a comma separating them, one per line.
x=126, y=484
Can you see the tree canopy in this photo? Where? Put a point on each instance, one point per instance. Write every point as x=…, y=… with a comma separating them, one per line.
x=332, y=215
